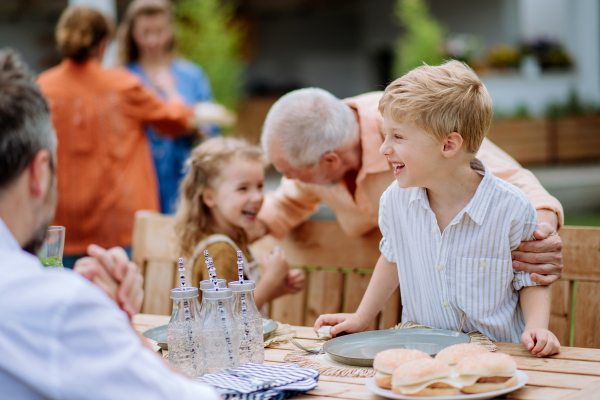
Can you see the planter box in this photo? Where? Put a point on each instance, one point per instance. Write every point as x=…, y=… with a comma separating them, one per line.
x=524, y=140
x=577, y=139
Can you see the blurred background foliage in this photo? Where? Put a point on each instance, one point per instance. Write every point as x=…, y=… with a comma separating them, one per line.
x=422, y=41
x=208, y=35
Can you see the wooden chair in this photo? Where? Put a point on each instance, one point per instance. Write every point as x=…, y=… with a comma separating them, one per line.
x=575, y=316
x=339, y=269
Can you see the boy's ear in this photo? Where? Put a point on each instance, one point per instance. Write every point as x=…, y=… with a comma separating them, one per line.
x=452, y=144
x=208, y=197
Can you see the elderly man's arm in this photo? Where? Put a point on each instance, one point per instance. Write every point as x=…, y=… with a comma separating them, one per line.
x=287, y=207
x=541, y=258
x=118, y=277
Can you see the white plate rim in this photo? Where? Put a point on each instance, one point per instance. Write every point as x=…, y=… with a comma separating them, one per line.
x=522, y=377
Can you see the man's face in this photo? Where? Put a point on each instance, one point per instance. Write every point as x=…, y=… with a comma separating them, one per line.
x=321, y=174
x=44, y=215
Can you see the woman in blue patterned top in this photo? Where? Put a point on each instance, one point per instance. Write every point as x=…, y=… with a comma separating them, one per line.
x=146, y=47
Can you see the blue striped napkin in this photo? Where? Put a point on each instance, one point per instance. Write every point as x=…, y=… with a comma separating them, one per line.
x=289, y=380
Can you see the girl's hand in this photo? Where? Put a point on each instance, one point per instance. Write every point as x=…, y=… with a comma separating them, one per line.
x=276, y=267
x=350, y=323
x=540, y=341
x=296, y=280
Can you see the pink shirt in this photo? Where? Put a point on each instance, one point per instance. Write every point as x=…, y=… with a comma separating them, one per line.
x=294, y=201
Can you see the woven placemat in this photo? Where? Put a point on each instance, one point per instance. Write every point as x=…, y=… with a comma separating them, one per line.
x=329, y=367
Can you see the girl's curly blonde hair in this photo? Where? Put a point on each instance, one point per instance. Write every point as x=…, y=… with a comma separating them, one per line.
x=193, y=221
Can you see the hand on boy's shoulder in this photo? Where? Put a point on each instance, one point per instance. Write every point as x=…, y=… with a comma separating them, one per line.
x=541, y=258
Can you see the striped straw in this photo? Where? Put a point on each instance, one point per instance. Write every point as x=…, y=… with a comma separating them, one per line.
x=186, y=310
x=181, y=272
x=240, y=264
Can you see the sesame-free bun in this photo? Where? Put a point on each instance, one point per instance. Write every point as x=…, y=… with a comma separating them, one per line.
x=453, y=354
x=388, y=360
x=428, y=391
x=418, y=371
x=485, y=365
x=489, y=387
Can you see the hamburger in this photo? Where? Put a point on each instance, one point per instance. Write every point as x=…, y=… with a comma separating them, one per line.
x=425, y=377
x=453, y=354
x=488, y=372
x=387, y=361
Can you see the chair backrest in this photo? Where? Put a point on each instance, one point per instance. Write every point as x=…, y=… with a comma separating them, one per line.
x=339, y=269
x=153, y=251
x=575, y=316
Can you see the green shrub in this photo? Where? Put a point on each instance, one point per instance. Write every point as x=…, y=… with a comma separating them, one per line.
x=423, y=40
x=208, y=35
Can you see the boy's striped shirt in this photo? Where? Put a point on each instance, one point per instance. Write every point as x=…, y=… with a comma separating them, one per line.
x=466, y=268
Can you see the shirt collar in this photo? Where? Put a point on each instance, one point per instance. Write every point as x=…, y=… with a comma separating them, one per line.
x=7, y=240
x=479, y=204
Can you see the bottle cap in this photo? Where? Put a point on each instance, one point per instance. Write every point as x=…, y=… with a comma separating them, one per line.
x=207, y=284
x=184, y=293
x=212, y=294
x=236, y=286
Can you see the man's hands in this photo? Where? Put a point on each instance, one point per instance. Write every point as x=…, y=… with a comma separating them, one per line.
x=540, y=341
x=542, y=258
x=350, y=323
x=112, y=271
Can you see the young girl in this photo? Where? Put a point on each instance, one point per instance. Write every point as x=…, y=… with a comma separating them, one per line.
x=220, y=198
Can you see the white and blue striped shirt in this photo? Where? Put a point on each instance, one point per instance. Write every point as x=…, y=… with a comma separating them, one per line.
x=466, y=268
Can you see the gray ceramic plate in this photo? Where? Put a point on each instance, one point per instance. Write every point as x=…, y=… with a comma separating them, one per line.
x=521, y=376
x=159, y=333
x=360, y=348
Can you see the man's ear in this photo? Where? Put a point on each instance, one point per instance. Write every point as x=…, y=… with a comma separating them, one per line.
x=451, y=144
x=208, y=197
x=330, y=160
x=39, y=174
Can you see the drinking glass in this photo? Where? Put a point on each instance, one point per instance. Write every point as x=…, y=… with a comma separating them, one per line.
x=51, y=253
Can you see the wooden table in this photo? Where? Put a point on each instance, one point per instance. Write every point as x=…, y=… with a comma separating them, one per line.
x=573, y=374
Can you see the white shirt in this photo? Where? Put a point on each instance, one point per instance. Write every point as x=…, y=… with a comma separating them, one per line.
x=466, y=268
x=61, y=337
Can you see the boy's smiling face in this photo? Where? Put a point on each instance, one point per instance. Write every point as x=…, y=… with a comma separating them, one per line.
x=414, y=155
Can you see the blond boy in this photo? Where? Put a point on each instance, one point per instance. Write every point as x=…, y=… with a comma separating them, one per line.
x=448, y=224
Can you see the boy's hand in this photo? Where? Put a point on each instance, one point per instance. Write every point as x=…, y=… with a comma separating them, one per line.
x=540, y=341
x=350, y=323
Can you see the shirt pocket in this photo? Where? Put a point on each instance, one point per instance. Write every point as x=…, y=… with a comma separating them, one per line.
x=482, y=284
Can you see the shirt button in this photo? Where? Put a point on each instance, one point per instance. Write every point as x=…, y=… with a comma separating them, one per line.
x=483, y=264
x=446, y=304
x=434, y=230
x=440, y=267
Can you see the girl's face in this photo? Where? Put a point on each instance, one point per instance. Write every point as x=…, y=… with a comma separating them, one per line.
x=152, y=34
x=237, y=196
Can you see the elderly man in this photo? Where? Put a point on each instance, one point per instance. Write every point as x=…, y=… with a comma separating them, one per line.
x=61, y=336
x=328, y=151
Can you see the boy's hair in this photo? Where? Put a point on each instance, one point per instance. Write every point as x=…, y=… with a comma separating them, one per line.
x=193, y=220
x=441, y=100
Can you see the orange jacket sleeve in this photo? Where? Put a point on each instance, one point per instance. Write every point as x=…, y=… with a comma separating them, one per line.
x=170, y=118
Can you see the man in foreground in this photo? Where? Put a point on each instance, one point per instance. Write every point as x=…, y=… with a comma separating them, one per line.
x=328, y=151
x=61, y=336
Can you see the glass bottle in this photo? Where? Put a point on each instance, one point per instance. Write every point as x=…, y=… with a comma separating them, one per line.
x=249, y=322
x=184, y=333
x=207, y=285
x=221, y=336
